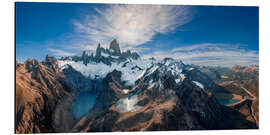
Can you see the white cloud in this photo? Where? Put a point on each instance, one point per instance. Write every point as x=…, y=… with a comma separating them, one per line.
x=211, y=55
x=132, y=25
x=58, y=52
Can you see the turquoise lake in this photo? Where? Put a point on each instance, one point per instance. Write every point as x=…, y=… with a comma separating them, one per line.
x=228, y=101
x=83, y=104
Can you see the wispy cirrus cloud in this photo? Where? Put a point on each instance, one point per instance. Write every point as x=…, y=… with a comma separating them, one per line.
x=132, y=25
x=58, y=52
x=209, y=47
x=211, y=54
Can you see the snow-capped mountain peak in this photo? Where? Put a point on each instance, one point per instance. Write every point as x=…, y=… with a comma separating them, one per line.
x=128, y=63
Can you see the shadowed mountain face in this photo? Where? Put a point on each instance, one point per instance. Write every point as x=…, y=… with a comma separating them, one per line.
x=126, y=93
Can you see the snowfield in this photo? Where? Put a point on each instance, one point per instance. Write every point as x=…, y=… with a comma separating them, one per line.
x=128, y=104
x=131, y=70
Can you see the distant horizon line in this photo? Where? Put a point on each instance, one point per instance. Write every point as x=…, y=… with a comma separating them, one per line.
x=191, y=64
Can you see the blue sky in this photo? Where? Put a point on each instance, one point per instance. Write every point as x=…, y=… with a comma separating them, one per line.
x=204, y=35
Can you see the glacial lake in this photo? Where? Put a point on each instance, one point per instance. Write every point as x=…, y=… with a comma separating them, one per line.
x=84, y=102
x=228, y=101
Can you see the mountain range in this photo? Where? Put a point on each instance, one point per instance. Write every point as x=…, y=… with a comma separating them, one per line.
x=113, y=90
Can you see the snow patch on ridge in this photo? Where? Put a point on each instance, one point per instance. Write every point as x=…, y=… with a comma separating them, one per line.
x=182, y=77
x=126, y=91
x=152, y=86
x=198, y=84
x=152, y=70
x=141, y=75
x=104, y=54
x=108, y=55
x=128, y=104
x=177, y=80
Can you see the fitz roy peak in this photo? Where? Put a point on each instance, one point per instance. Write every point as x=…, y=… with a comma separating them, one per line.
x=114, y=46
x=106, y=56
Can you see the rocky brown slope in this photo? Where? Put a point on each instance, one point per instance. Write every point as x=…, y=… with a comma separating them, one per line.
x=243, y=83
x=39, y=86
x=247, y=79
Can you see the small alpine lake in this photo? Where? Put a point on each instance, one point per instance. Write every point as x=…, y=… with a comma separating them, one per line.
x=228, y=101
x=84, y=102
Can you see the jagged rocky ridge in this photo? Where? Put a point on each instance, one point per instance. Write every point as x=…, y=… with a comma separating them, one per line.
x=106, y=56
x=132, y=94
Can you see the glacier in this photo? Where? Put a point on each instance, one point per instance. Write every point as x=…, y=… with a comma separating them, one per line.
x=128, y=104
